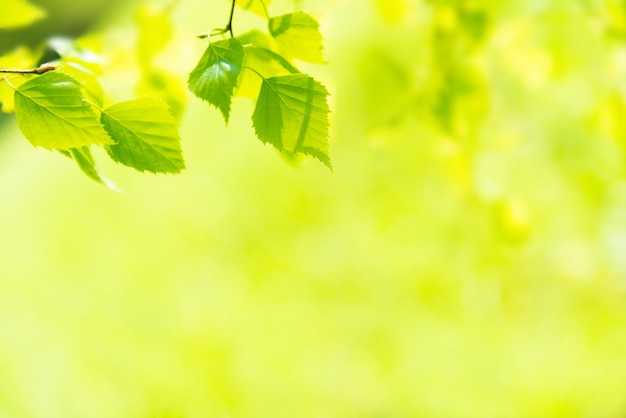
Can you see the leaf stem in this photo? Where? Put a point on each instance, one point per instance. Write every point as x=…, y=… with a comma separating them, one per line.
x=254, y=71
x=6, y=80
x=267, y=13
x=229, y=26
x=38, y=70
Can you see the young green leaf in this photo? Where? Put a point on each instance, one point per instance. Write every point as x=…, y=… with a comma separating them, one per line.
x=256, y=6
x=265, y=62
x=17, y=13
x=52, y=113
x=71, y=51
x=292, y=114
x=87, y=165
x=215, y=76
x=260, y=54
x=91, y=88
x=146, y=135
x=299, y=35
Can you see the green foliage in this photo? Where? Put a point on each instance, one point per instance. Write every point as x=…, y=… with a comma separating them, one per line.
x=291, y=111
x=299, y=36
x=292, y=114
x=215, y=76
x=17, y=13
x=60, y=107
x=52, y=113
x=146, y=135
x=466, y=259
x=256, y=6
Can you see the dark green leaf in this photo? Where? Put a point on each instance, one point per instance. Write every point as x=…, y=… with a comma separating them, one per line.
x=292, y=114
x=146, y=135
x=215, y=76
x=52, y=113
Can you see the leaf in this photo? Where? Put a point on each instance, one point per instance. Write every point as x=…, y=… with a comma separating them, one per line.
x=70, y=51
x=87, y=165
x=146, y=135
x=265, y=62
x=292, y=115
x=17, y=13
x=255, y=6
x=215, y=76
x=91, y=88
x=299, y=35
x=260, y=55
x=52, y=113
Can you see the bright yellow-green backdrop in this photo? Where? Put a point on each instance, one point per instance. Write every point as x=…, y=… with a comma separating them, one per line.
x=467, y=257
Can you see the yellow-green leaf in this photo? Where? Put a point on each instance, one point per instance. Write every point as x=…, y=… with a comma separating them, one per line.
x=145, y=134
x=52, y=113
x=299, y=35
x=256, y=6
x=292, y=115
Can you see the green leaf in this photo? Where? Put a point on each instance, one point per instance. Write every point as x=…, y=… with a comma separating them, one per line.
x=215, y=76
x=261, y=56
x=146, y=135
x=292, y=114
x=87, y=165
x=91, y=88
x=256, y=6
x=17, y=13
x=299, y=34
x=52, y=113
x=71, y=51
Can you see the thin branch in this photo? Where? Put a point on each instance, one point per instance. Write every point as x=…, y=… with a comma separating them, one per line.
x=39, y=70
x=229, y=27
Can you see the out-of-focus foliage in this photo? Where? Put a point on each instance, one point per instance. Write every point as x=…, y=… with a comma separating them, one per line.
x=17, y=13
x=465, y=259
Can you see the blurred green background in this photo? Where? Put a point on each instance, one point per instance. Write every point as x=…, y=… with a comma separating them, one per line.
x=467, y=257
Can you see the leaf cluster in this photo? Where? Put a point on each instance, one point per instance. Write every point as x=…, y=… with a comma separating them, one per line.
x=61, y=105
x=291, y=111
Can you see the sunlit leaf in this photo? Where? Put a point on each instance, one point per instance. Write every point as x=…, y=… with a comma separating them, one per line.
x=146, y=135
x=71, y=51
x=92, y=90
x=292, y=115
x=85, y=161
x=256, y=6
x=215, y=76
x=52, y=113
x=17, y=13
x=266, y=62
x=299, y=35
